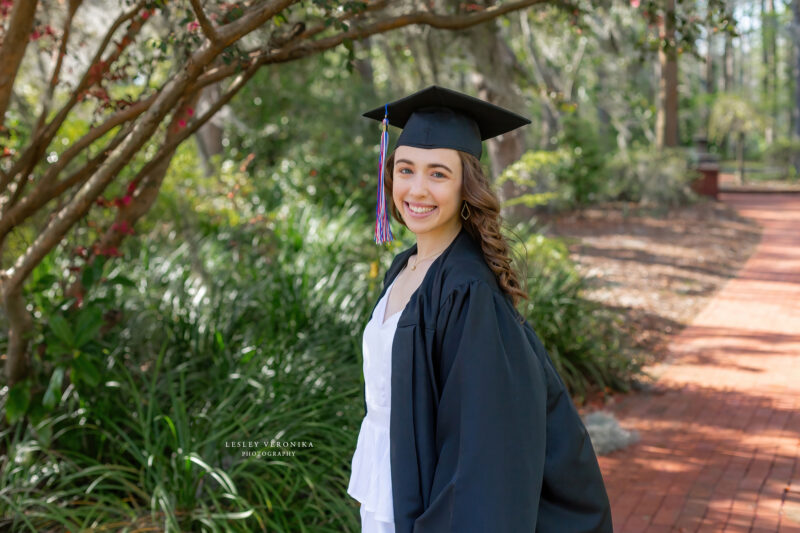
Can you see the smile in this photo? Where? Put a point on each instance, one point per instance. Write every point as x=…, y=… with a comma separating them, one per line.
x=418, y=212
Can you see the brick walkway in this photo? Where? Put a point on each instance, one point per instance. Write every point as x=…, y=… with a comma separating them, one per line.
x=720, y=435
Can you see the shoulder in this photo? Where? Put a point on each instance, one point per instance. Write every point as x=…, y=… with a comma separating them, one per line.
x=465, y=266
x=476, y=294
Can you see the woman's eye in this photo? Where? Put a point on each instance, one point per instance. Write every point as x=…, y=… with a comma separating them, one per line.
x=440, y=175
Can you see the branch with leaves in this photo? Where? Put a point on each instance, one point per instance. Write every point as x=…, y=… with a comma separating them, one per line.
x=209, y=37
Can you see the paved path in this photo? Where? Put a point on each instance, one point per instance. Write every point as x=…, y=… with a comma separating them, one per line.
x=720, y=444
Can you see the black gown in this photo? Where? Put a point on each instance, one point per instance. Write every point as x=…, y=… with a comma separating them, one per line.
x=484, y=436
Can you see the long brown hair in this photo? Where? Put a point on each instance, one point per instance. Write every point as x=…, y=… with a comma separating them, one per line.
x=483, y=224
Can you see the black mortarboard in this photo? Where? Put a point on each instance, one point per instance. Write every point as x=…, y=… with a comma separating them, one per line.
x=436, y=117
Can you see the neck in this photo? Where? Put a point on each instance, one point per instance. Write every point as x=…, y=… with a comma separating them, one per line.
x=432, y=243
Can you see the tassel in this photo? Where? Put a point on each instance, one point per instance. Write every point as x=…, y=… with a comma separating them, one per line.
x=383, y=230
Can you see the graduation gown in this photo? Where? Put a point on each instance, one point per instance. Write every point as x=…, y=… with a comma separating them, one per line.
x=484, y=436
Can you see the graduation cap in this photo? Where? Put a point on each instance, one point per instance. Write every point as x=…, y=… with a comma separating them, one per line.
x=437, y=117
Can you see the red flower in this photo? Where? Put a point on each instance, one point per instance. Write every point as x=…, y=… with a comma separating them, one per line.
x=182, y=123
x=110, y=251
x=126, y=199
x=189, y=111
x=131, y=187
x=123, y=227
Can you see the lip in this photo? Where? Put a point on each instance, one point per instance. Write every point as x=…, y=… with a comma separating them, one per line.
x=418, y=215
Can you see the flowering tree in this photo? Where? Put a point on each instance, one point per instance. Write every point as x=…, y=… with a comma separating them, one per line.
x=58, y=186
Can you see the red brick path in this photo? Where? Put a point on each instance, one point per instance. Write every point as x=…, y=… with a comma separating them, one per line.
x=720, y=436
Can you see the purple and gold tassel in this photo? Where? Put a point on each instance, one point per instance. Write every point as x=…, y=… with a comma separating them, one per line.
x=383, y=230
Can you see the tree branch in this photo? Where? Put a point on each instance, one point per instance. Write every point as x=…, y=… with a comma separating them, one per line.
x=46, y=190
x=252, y=19
x=301, y=49
x=205, y=24
x=62, y=50
x=13, y=49
x=436, y=20
x=44, y=135
x=172, y=91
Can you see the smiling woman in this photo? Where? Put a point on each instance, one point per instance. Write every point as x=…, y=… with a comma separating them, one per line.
x=468, y=426
x=427, y=191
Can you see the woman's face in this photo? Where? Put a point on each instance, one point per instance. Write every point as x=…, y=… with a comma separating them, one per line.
x=425, y=178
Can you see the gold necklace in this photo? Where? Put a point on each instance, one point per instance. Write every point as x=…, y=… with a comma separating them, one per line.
x=414, y=266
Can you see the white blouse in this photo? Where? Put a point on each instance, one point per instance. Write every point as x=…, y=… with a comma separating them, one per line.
x=371, y=475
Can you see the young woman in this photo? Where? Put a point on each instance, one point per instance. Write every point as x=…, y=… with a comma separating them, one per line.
x=468, y=426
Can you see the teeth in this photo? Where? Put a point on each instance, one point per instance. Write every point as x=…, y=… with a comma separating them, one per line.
x=420, y=210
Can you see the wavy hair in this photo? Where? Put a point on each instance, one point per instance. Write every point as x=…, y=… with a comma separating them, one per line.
x=483, y=224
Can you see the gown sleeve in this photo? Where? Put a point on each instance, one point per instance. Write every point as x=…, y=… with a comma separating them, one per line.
x=491, y=418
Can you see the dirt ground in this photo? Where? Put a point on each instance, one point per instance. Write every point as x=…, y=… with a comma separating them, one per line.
x=659, y=268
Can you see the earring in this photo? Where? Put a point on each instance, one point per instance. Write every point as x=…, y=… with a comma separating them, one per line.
x=468, y=211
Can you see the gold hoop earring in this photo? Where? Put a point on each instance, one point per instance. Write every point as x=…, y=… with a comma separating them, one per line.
x=468, y=211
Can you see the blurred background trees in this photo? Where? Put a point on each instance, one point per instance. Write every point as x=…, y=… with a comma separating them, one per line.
x=187, y=193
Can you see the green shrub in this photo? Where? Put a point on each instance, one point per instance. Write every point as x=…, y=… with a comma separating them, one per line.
x=585, y=340
x=651, y=177
x=538, y=172
x=783, y=153
x=243, y=335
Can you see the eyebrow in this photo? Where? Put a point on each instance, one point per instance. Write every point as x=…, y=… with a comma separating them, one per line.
x=431, y=165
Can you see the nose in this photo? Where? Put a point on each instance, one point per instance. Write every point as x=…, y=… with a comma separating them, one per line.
x=418, y=186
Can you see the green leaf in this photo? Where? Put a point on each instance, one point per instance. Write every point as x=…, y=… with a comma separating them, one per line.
x=61, y=329
x=89, y=323
x=84, y=370
x=92, y=273
x=121, y=280
x=18, y=400
x=52, y=395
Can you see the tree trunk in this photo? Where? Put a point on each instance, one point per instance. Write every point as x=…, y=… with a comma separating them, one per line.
x=546, y=78
x=766, y=59
x=728, y=64
x=494, y=80
x=796, y=53
x=209, y=135
x=740, y=150
x=667, y=119
x=710, y=77
x=796, y=39
x=363, y=65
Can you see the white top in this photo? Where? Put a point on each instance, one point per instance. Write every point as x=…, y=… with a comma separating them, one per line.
x=371, y=475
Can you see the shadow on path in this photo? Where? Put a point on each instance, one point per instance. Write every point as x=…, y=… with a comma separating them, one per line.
x=720, y=434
